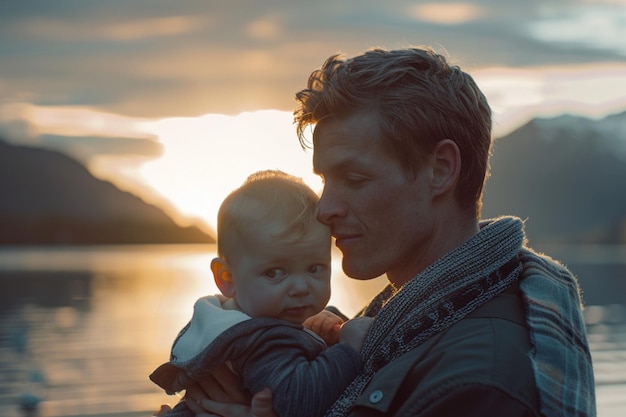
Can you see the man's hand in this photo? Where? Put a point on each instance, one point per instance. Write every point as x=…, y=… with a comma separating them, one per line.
x=165, y=408
x=221, y=385
x=261, y=407
x=326, y=325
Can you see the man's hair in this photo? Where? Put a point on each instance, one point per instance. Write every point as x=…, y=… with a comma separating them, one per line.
x=420, y=99
x=269, y=196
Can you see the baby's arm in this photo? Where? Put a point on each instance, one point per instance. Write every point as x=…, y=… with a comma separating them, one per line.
x=353, y=332
x=326, y=325
x=304, y=375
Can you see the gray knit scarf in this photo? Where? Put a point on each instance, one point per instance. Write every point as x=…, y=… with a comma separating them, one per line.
x=436, y=298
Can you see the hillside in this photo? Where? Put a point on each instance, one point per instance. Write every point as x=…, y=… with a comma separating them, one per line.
x=48, y=198
x=566, y=176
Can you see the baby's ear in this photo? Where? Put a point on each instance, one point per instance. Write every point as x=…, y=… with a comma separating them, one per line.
x=223, y=277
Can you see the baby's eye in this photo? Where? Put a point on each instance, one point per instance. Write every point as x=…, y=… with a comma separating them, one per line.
x=317, y=269
x=275, y=273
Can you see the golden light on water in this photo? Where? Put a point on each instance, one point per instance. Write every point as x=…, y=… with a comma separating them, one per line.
x=107, y=316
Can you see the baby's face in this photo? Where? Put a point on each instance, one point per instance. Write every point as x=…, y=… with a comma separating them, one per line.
x=283, y=279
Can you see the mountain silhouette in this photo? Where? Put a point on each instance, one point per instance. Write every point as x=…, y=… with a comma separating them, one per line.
x=565, y=176
x=46, y=197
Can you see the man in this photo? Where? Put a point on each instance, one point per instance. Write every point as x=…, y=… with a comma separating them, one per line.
x=472, y=323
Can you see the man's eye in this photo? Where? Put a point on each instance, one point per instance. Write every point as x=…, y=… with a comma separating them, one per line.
x=275, y=273
x=355, y=179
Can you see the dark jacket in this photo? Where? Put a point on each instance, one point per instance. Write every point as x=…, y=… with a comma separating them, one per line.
x=477, y=367
x=305, y=375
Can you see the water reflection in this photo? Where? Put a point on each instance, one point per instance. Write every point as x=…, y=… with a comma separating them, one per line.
x=81, y=328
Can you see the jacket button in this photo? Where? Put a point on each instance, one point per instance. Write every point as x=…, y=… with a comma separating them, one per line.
x=376, y=396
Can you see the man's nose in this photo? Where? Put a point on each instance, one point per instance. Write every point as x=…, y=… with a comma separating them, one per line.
x=329, y=207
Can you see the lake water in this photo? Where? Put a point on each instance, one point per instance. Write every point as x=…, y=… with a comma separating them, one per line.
x=82, y=327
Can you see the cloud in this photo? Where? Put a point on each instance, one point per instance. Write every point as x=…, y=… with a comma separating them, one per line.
x=594, y=25
x=79, y=132
x=517, y=95
x=157, y=58
x=80, y=31
x=89, y=76
x=446, y=13
x=18, y=132
x=266, y=28
x=85, y=148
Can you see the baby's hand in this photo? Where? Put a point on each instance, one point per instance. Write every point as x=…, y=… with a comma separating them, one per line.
x=353, y=331
x=326, y=325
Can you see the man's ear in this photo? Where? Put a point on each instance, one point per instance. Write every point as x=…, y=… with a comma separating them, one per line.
x=223, y=277
x=446, y=167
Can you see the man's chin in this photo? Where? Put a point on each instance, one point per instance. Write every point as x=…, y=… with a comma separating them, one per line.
x=360, y=271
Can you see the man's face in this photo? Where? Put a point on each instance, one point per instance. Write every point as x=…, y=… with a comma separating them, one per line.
x=378, y=214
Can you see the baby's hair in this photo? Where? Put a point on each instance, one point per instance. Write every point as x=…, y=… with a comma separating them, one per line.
x=269, y=196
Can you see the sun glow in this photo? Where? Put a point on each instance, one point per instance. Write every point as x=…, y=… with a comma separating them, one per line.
x=203, y=158
x=206, y=157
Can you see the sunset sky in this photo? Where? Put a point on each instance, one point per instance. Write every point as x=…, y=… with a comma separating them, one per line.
x=179, y=101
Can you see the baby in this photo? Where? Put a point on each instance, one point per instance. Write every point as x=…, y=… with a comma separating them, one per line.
x=273, y=272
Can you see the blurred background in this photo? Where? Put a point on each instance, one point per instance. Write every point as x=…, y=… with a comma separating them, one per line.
x=124, y=124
